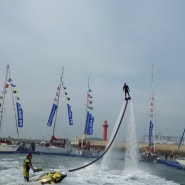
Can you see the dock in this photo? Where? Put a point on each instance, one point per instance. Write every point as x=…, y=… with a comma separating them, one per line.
x=172, y=164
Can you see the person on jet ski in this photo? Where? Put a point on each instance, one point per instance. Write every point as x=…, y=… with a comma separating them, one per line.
x=26, y=167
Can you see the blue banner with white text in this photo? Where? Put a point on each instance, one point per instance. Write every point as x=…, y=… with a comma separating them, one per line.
x=89, y=124
x=70, y=114
x=53, y=110
x=19, y=115
x=150, y=132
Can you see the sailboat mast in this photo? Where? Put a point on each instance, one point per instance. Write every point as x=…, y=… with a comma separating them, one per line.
x=152, y=109
x=87, y=95
x=84, y=136
x=58, y=99
x=4, y=92
x=14, y=108
x=181, y=141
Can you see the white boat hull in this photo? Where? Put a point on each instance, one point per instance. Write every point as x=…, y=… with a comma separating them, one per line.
x=53, y=149
x=181, y=161
x=8, y=148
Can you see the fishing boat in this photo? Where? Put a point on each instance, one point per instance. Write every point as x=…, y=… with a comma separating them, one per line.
x=56, y=145
x=9, y=144
x=150, y=152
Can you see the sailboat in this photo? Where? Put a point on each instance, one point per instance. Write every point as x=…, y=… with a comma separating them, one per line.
x=8, y=144
x=179, y=158
x=150, y=152
x=84, y=148
x=57, y=145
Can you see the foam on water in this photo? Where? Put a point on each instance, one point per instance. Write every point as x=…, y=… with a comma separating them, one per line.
x=114, y=177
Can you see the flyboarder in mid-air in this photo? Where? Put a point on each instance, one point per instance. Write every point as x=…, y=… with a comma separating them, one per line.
x=127, y=90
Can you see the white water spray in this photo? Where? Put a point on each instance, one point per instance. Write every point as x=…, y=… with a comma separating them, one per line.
x=131, y=157
x=106, y=159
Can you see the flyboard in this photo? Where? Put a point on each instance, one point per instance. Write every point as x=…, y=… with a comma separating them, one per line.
x=56, y=177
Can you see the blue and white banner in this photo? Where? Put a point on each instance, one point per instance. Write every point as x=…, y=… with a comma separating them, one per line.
x=89, y=124
x=19, y=115
x=70, y=114
x=53, y=110
x=150, y=132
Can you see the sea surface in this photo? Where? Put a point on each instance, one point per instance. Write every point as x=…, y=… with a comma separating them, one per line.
x=114, y=170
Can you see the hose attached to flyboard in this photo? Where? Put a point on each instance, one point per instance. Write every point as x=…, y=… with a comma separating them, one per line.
x=75, y=169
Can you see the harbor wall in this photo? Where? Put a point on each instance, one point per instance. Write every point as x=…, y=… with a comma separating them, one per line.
x=161, y=148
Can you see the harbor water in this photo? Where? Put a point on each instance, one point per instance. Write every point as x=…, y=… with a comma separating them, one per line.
x=116, y=174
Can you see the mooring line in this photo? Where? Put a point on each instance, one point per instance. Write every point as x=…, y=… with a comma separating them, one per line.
x=75, y=169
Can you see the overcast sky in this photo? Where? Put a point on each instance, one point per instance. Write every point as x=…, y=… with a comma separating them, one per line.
x=111, y=42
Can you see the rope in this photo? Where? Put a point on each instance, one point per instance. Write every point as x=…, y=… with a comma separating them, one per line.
x=75, y=169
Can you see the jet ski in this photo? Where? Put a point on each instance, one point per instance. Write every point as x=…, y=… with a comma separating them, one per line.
x=51, y=177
